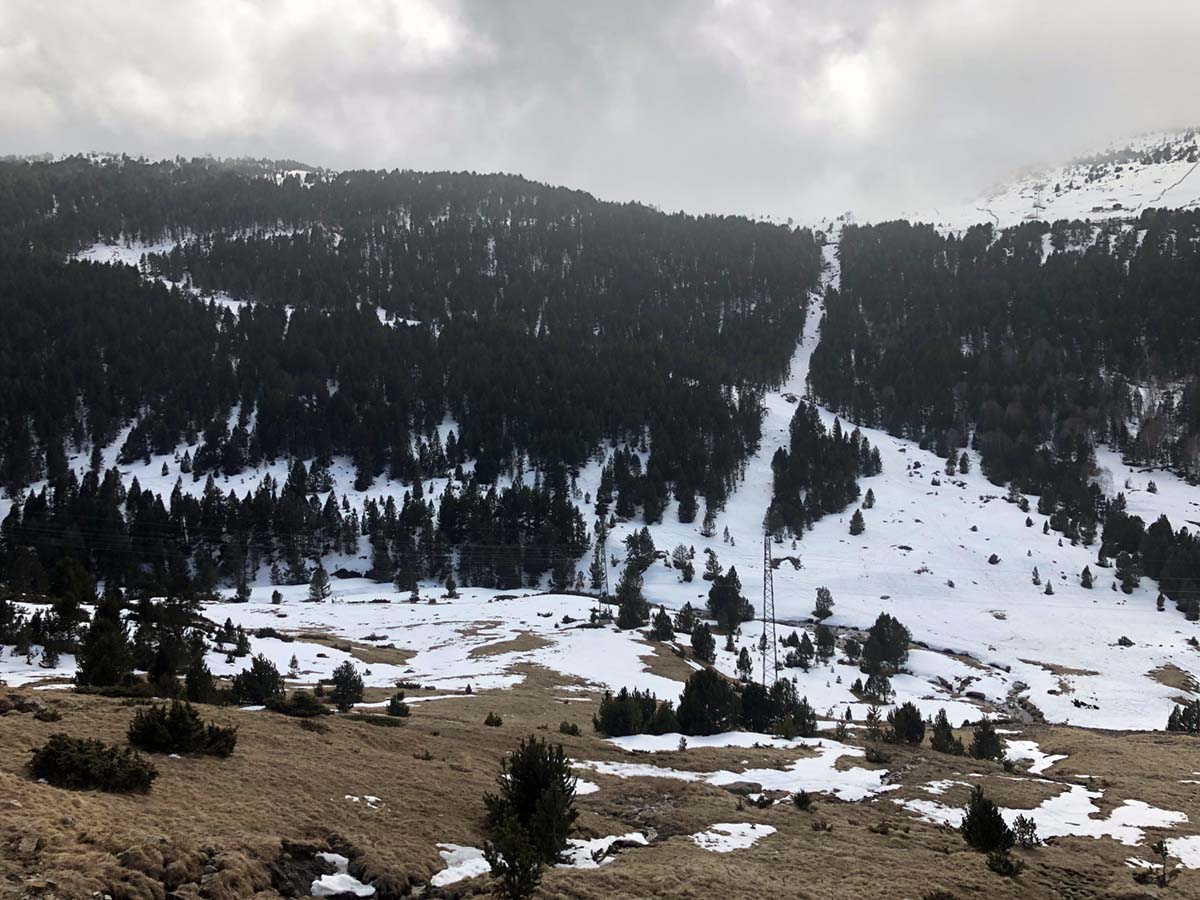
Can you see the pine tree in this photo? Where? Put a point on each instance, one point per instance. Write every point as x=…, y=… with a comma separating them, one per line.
x=537, y=796
x=451, y=587
x=745, y=665
x=708, y=704
x=632, y=608
x=347, y=686
x=983, y=827
x=824, y=607
x=826, y=644
x=1085, y=578
x=660, y=629
x=907, y=726
x=869, y=499
x=686, y=619
x=805, y=651
x=105, y=657
x=985, y=743
x=943, y=740
x=857, y=525
x=318, y=587
x=703, y=645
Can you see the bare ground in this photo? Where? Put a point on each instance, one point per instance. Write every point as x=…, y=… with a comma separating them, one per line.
x=210, y=828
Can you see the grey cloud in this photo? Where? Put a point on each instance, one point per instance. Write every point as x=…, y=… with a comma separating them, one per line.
x=795, y=109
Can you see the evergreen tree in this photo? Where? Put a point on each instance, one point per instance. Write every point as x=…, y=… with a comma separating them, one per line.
x=347, y=686
x=906, y=724
x=708, y=704
x=318, y=588
x=857, y=525
x=632, y=608
x=703, y=646
x=824, y=607
x=726, y=603
x=943, y=740
x=1085, y=578
x=537, y=796
x=985, y=743
x=983, y=827
x=660, y=629
x=745, y=665
x=105, y=657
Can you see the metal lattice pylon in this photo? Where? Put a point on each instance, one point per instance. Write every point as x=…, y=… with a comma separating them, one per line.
x=769, y=638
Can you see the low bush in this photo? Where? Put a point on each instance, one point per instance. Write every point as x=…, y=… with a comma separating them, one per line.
x=570, y=728
x=84, y=764
x=493, y=721
x=373, y=719
x=178, y=728
x=396, y=705
x=299, y=705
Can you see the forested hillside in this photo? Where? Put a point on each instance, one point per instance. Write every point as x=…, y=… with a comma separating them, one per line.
x=368, y=309
x=1032, y=344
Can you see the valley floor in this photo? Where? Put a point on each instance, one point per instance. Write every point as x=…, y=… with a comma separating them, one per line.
x=387, y=797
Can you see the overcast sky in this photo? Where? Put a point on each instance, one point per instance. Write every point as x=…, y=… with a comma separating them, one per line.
x=800, y=109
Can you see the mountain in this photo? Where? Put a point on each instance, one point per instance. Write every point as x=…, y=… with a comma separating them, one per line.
x=475, y=451
x=1119, y=181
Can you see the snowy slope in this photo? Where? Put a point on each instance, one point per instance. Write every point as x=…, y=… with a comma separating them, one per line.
x=923, y=558
x=1153, y=170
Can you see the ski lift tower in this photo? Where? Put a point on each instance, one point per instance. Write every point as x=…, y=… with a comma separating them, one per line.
x=769, y=637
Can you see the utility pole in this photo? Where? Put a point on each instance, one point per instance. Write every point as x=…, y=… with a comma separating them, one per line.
x=769, y=637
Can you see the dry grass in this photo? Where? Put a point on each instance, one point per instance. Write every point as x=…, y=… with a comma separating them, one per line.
x=1174, y=677
x=286, y=782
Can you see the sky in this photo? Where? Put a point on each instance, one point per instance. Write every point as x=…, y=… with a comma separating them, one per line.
x=799, y=109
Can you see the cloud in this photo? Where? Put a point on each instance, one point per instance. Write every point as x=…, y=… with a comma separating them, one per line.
x=764, y=106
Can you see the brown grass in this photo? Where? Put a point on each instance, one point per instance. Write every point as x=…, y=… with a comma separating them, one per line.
x=1174, y=677
x=285, y=782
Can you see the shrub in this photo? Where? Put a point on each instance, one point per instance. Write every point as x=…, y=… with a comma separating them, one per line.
x=492, y=720
x=633, y=712
x=570, y=728
x=1025, y=832
x=1000, y=862
x=1185, y=719
x=298, y=704
x=396, y=705
x=906, y=725
x=83, y=764
x=347, y=686
x=802, y=799
x=178, y=728
x=985, y=743
x=258, y=684
x=983, y=827
x=314, y=725
x=537, y=797
x=373, y=719
x=513, y=859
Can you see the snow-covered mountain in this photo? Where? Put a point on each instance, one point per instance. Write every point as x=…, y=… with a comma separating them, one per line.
x=1118, y=181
